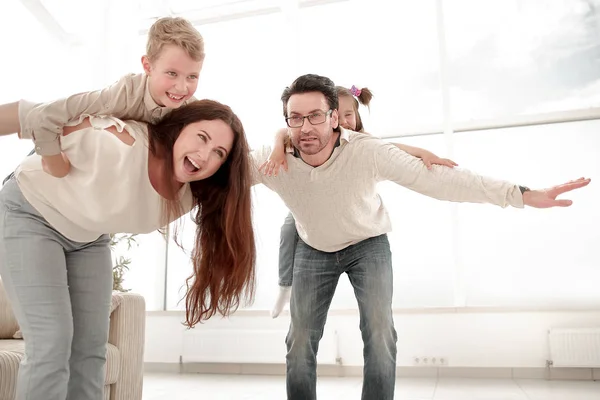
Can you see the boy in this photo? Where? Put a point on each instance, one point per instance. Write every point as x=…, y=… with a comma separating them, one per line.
x=172, y=65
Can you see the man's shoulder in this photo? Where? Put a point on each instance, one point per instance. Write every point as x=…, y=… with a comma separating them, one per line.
x=361, y=140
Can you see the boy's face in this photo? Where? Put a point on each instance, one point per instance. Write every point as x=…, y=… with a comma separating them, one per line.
x=172, y=77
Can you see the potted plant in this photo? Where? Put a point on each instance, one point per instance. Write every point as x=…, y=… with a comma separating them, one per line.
x=119, y=241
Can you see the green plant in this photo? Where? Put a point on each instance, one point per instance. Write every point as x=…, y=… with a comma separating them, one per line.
x=121, y=263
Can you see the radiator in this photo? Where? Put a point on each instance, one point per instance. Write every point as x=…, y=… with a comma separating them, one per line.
x=575, y=347
x=247, y=346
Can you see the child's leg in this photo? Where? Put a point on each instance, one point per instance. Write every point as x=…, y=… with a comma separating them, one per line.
x=287, y=250
x=9, y=118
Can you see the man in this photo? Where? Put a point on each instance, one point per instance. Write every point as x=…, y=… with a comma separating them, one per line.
x=330, y=188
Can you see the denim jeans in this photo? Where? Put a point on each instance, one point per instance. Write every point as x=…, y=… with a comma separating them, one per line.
x=316, y=274
x=288, y=241
x=60, y=292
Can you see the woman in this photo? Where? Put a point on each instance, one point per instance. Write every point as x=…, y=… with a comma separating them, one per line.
x=130, y=177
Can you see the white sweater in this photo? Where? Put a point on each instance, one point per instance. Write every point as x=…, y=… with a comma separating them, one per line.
x=107, y=189
x=336, y=204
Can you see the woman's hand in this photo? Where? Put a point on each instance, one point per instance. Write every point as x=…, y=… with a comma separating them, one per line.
x=58, y=165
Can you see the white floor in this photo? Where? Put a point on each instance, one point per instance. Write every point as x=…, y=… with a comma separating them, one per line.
x=247, y=387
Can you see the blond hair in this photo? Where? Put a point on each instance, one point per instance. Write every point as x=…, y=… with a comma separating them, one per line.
x=175, y=31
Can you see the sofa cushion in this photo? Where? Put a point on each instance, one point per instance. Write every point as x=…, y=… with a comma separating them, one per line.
x=11, y=353
x=8, y=322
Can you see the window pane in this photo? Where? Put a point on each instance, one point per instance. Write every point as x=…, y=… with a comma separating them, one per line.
x=146, y=274
x=389, y=47
x=246, y=69
x=515, y=57
x=532, y=257
x=40, y=69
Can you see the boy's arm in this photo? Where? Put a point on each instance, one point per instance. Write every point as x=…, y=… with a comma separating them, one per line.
x=44, y=122
x=9, y=122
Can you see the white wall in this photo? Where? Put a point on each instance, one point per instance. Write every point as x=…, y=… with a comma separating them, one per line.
x=465, y=338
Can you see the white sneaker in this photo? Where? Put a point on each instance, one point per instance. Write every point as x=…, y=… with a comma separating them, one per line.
x=285, y=292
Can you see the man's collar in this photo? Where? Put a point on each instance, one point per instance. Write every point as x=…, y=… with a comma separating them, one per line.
x=344, y=134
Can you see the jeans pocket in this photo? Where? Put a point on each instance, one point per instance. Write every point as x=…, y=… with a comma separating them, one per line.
x=11, y=197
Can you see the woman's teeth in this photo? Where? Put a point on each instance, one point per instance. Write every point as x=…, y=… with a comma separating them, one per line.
x=194, y=163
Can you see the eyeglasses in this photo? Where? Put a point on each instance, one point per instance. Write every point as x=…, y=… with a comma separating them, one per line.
x=315, y=118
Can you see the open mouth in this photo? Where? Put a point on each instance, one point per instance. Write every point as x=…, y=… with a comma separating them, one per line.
x=308, y=140
x=190, y=165
x=175, y=97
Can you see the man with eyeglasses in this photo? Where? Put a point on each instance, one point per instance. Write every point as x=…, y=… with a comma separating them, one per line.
x=330, y=188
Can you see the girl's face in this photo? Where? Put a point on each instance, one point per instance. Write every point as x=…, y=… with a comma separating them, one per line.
x=347, y=114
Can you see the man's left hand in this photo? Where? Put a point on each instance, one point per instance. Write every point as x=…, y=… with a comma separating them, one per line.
x=546, y=198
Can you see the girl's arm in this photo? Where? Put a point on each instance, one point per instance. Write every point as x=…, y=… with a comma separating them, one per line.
x=277, y=157
x=428, y=157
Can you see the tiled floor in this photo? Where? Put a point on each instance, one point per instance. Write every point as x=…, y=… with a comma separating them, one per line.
x=247, y=387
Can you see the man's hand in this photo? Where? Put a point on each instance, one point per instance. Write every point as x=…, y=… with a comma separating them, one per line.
x=546, y=198
x=58, y=166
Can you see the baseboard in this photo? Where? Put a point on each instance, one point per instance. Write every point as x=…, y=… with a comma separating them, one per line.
x=401, y=372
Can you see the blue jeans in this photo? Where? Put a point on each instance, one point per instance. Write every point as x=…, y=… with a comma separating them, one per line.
x=288, y=241
x=316, y=274
x=60, y=292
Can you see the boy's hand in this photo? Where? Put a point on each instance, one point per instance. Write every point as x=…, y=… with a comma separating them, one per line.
x=276, y=160
x=430, y=159
x=58, y=165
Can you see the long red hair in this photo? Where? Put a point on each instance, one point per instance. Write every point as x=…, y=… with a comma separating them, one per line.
x=224, y=254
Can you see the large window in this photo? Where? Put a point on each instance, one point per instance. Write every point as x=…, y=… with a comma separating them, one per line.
x=389, y=47
x=246, y=68
x=522, y=56
x=444, y=254
x=498, y=59
x=532, y=257
x=36, y=66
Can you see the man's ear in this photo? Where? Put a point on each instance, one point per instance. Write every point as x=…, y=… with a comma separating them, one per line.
x=335, y=119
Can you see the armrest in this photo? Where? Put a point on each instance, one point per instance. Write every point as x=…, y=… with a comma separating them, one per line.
x=127, y=333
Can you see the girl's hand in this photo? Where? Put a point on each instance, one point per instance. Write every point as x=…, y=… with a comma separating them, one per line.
x=274, y=162
x=430, y=159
